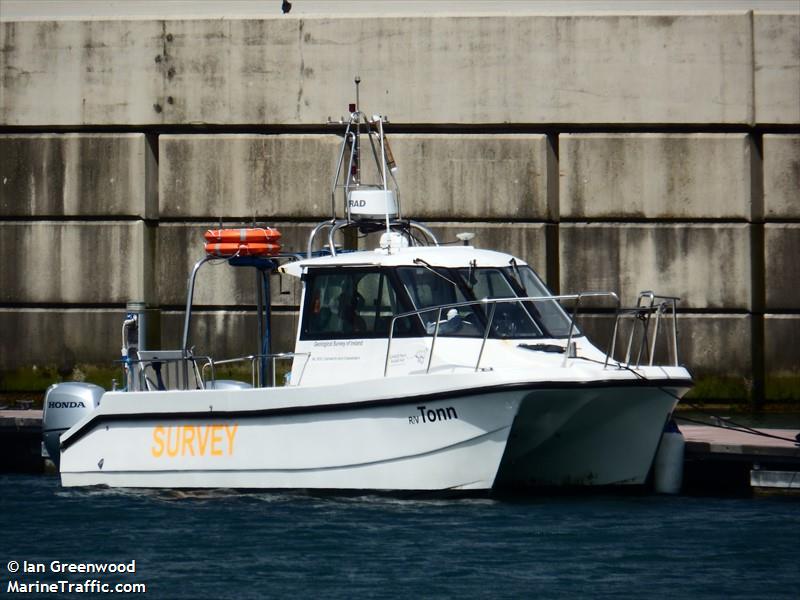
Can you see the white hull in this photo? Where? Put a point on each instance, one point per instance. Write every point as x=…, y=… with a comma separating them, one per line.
x=363, y=445
x=593, y=437
x=470, y=465
x=318, y=437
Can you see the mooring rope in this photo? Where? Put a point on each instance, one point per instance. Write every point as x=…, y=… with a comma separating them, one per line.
x=730, y=424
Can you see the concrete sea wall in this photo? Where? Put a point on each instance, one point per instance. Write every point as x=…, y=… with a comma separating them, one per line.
x=611, y=151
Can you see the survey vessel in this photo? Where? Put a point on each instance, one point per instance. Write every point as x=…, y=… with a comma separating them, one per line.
x=417, y=365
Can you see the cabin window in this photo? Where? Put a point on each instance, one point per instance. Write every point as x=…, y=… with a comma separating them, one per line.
x=351, y=303
x=511, y=319
x=433, y=287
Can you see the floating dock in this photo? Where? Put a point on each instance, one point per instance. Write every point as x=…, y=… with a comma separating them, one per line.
x=718, y=460
x=21, y=441
x=725, y=460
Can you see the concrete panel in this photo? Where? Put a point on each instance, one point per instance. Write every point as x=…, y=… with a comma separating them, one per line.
x=180, y=246
x=82, y=72
x=782, y=176
x=525, y=241
x=716, y=348
x=717, y=345
x=242, y=176
x=476, y=176
x=782, y=266
x=633, y=68
x=782, y=357
x=782, y=352
x=98, y=262
x=707, y=266
x=776, y=44
x=708, y=344
x=59, y=337
x=655, y=176
x=227, y=334
x=77, y=175
x=499, y=176
x=41, y=346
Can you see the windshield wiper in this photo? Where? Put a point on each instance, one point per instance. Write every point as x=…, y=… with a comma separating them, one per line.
x=419, y=261
x=471, y=279
x=518, y=275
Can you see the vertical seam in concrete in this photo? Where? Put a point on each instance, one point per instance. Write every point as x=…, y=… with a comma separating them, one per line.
x=151, y=208
x=151, y=216
x=551, y=231
x=151, y=238
x=752, y=71
x=757, y=266
x=757, y=319
x=756, y=165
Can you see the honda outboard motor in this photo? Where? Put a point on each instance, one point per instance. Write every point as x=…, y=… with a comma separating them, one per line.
x=64, y=405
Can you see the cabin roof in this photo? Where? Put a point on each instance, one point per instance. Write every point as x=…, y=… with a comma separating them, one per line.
x=436, y=256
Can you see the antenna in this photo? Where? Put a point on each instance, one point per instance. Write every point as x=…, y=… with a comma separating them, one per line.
x=355, y=169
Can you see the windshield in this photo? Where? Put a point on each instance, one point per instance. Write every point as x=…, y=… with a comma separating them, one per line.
x=435, y=286
x=549, y=313
x=361, y=302
x=428, y=287
x=511, y=319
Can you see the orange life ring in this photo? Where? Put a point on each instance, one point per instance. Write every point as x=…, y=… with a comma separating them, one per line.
x=229, y=249
x=261, y=235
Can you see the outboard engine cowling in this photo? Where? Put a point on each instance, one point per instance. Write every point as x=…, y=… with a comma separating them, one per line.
x=64, y=405
x=227, y=384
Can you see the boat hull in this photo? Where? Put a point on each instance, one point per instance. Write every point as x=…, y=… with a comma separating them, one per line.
x=447, y=432
x=598, y=436
x=454, y=443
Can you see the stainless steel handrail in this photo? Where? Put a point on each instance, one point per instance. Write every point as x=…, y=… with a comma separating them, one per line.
x=485, y=302
x=145, y=383
x=655, y=304
x=254, y=359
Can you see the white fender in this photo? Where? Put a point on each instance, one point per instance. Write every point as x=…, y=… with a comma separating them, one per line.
x=668, y=468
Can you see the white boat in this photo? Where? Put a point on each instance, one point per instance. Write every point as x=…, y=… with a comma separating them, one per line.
x=416, y=366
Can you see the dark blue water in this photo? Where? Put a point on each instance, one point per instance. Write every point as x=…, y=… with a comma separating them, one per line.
x=274, y=545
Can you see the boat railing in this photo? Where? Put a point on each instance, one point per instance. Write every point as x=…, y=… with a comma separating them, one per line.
x=648, y=305
x=160, y=370
x=491, y=304
x=257, y=366
x=175, y=370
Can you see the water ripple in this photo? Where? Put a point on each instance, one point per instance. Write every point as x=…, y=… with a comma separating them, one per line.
x=225, y=544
